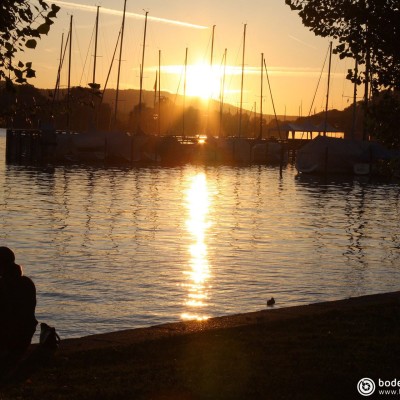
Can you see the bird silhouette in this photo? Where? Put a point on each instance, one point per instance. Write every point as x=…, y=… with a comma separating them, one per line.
x=271, y=302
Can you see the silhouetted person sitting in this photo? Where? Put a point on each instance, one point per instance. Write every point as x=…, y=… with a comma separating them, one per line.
x=17, y=311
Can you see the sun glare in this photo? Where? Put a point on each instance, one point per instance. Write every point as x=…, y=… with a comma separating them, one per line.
x=203, y=81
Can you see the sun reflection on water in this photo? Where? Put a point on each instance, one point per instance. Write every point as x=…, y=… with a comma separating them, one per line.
x=198, y=203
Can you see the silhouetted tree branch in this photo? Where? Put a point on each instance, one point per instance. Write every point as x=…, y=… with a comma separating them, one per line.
x=366, y=30
x=21, y=24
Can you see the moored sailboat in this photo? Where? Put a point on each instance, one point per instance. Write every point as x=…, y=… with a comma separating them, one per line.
x=330, y=155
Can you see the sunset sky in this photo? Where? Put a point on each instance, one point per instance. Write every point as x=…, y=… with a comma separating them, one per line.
x=294, y=56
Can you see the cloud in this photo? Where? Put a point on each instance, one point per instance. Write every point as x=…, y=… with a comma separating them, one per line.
x=232, y=70
x=109, y=11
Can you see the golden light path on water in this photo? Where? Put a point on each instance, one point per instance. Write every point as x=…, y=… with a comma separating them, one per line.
x=198, y=275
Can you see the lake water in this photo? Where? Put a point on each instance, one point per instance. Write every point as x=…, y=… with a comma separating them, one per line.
x=112, y=248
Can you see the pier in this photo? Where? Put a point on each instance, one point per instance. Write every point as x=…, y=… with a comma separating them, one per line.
x=34, y=146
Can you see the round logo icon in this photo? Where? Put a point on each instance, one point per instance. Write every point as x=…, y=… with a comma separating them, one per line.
x=366, y=386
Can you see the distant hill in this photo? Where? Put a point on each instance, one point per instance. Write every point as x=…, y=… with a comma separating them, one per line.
x=29, y=107
x=129, y=98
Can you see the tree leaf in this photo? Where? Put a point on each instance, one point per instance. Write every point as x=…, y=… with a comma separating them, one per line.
x=44, y=5
x=55, y=8
x=31, y=43
x=30, y=73
x=52, y=14
x=43, y=29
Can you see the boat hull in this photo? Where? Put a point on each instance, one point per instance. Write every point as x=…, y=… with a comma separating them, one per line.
x=343, y=156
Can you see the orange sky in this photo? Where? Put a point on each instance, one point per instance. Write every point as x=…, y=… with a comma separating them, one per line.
x=294, y=56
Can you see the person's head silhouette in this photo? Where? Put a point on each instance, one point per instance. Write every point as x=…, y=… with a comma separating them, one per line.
x=7, y=260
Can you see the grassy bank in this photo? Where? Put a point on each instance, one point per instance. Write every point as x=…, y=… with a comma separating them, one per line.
x=318, y=351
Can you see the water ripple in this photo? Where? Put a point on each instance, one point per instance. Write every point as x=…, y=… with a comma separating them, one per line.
x=117, y=248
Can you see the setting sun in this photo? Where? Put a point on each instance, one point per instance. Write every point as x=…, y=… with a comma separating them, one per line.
x=203, y=81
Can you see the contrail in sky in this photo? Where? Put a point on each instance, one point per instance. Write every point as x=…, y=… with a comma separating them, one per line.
x=300, y=41
x=83, y=7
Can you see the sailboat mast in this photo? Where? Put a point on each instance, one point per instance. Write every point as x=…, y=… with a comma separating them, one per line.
x=327, y=91
x=210, y=77
x=119, y=64
x=155, y=91
x=241, y=85
x=353, y=125
x=142, y=65
x=212, y=46
x=366, y=83
x=221, y=102
x=184, y=94
x=261, y=97
x=159, y=92
x=272, y=99
x=69, y=73
x=95, y=44
x=60, y=65
x=111, y=65
x=57, y=86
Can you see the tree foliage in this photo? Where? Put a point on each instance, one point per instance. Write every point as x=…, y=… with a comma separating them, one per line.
x=366, y=30
x=384, y=118
x=22, y=23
